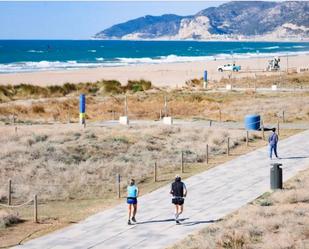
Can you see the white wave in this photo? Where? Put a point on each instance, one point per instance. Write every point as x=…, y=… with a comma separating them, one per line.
x=35, y=51
x=298, y=46
x=269, y=48
x=165, y=59
x=50, y=66
x=92, y=51
x=71, y=65
x=100, y=59
x=175, y=58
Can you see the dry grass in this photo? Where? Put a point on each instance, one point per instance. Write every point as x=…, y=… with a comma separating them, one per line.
x=182, y=104
x=57, y=214
x=278, y=220
x=105, y=101
x=262, y=80
x=66, y=162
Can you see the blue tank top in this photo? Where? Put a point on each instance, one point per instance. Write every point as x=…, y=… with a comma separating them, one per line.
x=132, y=191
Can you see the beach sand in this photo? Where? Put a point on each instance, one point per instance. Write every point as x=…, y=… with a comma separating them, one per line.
x=169, y=75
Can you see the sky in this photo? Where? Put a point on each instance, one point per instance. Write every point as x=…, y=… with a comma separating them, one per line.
x=81, y=20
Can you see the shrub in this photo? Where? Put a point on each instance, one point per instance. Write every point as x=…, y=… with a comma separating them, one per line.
x=112, y=86
x=138, y=85
x=40, y=138
x=233, y=240
x=146, y=85
x=69, y=87
x=38, y=109
x=8, y=218
x=30, y=90
x=195, y=82
x=121, y=140
x=56, y=90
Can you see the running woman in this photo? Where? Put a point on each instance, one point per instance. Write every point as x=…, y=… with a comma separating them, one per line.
x=179, y=191
x=132, y=200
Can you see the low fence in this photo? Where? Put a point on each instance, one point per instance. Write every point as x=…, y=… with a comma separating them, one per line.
x=158, y=170
x=33, y=200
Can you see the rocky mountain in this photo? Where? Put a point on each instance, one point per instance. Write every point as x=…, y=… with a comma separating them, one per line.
x=232, y=20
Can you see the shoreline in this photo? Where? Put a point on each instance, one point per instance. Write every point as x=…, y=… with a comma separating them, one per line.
x=161, y=74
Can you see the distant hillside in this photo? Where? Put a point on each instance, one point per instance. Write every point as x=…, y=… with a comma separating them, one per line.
x=233, y=20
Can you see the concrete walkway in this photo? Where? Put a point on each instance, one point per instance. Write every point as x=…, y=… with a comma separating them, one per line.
x=211, y=195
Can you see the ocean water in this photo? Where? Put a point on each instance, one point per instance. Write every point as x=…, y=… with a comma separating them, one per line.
x=43, y=55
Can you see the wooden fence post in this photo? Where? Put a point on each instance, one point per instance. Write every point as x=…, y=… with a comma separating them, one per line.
x=182, y=163
x=165, y=107
x=160, y=114
x=228, y=147
x=278, y=127
x=220, y=115
x=263, y=133
x=247, y=138
x=35, y=208
x=207, y=155
x=125, y=105
x=283, y=119
x=210, y=123
x=114, y=116
x=118, y=186
x=10, y=192
x=68, y=117
x=155, y=172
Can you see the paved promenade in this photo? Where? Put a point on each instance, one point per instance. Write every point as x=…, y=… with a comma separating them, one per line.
x=211, y=196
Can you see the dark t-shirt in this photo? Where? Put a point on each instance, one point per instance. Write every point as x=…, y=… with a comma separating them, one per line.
x=177, y=189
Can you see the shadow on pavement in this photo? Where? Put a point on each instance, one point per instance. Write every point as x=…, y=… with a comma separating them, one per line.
x=294, y=157
x=192, y=223
x=159, y=221
x=183, y=221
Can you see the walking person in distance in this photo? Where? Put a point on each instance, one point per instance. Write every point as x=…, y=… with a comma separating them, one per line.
x=273, y=142
x=132, y=195
x=178, y=191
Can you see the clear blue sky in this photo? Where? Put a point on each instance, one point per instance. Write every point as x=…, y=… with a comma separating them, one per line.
x=80, y=20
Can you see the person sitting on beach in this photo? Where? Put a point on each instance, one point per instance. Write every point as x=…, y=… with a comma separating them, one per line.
x=179, y=191
x=132, y=200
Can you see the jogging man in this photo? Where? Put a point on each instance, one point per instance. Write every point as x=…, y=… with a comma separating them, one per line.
x=179, y=191
x=132, y=200
x=273, y=141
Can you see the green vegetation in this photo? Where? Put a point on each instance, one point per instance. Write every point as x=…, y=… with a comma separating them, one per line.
x=138, y=85
x=24, y=91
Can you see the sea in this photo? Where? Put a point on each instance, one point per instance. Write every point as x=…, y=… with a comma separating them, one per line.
x=46, y=55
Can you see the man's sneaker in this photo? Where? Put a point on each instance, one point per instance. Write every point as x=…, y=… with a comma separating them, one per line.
x=129, y=222
x=177, y=222
x=133, y=219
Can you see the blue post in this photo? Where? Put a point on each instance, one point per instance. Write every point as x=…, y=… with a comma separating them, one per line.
x=205, y=75
x=82, y=108
x=205, y=79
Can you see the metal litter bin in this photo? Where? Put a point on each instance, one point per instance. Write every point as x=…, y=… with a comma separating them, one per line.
x=276, y=176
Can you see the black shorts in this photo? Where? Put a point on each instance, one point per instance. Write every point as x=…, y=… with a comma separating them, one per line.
x=178, y=201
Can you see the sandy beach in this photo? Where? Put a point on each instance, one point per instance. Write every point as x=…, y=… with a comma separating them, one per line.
x=171, y=75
